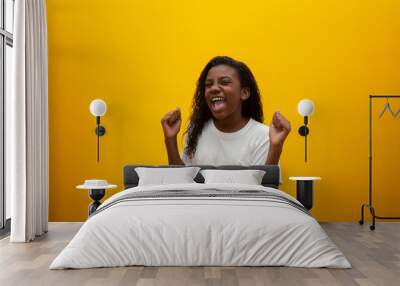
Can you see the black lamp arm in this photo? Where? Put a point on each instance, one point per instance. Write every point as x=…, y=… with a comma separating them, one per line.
x=100, y=131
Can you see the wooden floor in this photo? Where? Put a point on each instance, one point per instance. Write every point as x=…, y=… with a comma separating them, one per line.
x=375, y=256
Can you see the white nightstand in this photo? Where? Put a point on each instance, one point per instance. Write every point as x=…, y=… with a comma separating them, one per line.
x=305, y=190
x=97, y=190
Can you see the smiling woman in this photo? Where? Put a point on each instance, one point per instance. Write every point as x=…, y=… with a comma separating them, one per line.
x=226, y=125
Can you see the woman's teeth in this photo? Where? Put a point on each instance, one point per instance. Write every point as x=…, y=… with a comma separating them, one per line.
x=215, y=99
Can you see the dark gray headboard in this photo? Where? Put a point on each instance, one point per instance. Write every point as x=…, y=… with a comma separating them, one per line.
x=270, y=179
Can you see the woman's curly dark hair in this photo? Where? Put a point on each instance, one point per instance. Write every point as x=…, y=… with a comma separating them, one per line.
x=251, y=107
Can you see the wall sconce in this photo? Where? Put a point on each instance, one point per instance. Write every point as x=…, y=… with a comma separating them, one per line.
x=305, y=108
x=98, y=108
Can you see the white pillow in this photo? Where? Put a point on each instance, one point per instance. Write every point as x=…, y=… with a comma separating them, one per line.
x=164, y=176
x=248, y=177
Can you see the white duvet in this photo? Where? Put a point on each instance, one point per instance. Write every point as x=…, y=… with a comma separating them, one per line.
x=200, y=231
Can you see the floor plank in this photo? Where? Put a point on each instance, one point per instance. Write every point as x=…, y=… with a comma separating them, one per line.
x=375, y=257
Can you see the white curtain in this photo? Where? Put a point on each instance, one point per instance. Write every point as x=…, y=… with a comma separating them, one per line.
x=27, y=124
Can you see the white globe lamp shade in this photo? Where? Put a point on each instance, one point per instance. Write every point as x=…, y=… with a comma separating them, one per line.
x=305, y=107
x=98, y=107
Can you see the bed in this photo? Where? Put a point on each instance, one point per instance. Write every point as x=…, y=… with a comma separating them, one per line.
x=201, y=224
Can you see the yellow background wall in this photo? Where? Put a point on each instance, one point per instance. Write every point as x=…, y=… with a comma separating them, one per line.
x=144, y=57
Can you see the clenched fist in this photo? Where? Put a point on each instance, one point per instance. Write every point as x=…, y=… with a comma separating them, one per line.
x=171, y=123
x=279, y=129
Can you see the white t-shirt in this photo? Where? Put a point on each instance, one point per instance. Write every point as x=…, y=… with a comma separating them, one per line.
x=247, y=146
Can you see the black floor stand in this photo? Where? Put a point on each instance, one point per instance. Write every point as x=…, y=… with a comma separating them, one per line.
x=374, y=216
x=369, y=205
x=305, y=193
x=96, y=195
